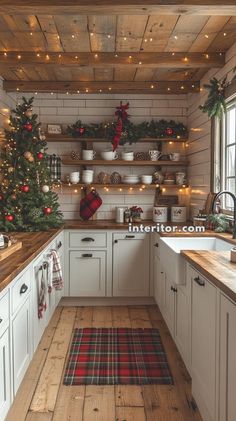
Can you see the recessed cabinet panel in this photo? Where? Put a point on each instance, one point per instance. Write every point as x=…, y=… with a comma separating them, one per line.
x=227, y=360
x=5, y=398
x=130, y=265
x=87, y=239
x=88, y=273
x=21, y=342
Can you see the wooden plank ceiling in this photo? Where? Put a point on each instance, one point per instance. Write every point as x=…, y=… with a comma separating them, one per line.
x=119, y=52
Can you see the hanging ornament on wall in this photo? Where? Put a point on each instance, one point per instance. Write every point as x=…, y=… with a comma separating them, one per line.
x=45, y=189
x=28, y=126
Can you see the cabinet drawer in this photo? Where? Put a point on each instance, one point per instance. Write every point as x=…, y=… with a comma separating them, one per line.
x=20, y=290
x=4, y=310
x=87, y=239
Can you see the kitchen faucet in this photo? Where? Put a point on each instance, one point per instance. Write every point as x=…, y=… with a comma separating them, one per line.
x=234, y=200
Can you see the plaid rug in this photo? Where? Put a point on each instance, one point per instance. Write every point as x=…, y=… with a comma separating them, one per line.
x=117, y=356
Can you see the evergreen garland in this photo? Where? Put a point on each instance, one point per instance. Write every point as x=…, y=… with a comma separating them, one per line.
x=215, y=105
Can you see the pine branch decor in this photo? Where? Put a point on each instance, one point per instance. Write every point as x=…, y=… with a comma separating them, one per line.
x=215, y=105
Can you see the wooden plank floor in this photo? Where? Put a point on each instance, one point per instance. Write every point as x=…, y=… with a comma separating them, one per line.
x=43, y=397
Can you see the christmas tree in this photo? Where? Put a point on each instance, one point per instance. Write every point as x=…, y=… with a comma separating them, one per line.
x=27, y=202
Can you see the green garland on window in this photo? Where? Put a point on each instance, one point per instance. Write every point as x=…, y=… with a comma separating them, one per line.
x=215, y=105
x=131, y=132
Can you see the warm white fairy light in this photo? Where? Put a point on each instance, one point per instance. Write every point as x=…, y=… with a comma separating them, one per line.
x=96, y=55
x=73, y=36
x=109, y=88
x=152, y=86
x=139, y=62
x=168, y=89
x=145, y=40
x=91, y=34
x=224, y=34
x=130, y=57
x=173, y=54
x=38, y=55
x=207, y=55
x=5, y=54
x=47, y=57
x=59, y=55
x=86, y=90
x=150, y=39
x=51, y=93
x=109, y=36
x=19, y=56
x=185, y=59
x=206, y=36
x=182, y=87
x=76, y=57
x=36, y=93
x=175, y=37
x=125, y=38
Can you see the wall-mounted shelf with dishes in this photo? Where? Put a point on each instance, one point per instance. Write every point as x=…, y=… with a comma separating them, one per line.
x=115, y=162
x=66, y=138
x=120, y=186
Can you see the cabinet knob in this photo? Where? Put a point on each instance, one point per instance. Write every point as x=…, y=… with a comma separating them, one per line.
x=23, y=288
x=199, y=281
x=87, y=255
x=156, y=245
x=87, y=239
x=116, y=241
x=59, y=245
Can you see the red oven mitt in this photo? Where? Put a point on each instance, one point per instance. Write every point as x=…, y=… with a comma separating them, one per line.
x=89, y=204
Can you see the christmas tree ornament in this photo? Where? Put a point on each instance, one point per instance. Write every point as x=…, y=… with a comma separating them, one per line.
x=31, y=158
x=1, y=197
x=13, y=197
x=25, y=188
x=81, y=131
x=47, y=210
x=28, y=126
x=45, y=189
x=9, y=218
x=29, y=112
x=40, y=155
x=10, y=170
x=169, y=131
x=27, y=154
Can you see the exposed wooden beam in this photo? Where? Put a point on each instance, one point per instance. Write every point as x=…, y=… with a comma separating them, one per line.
x=160, y=87
x=109, y=7
x=113, y=60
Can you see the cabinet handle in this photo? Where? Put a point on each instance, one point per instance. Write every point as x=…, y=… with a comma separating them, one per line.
x=173, y=289
x=59, y=245
x=87, y=255
x=156, y=245
x=162, y=273
x=87, y=239
x=199, y=281
x=130, y=236
x=1, y=320
x=23, y=289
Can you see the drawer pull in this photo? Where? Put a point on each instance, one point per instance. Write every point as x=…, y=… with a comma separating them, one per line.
x=156, y=245
x=87, y=239
x=59, y=245
x=199, y=281
x=130, y=236
x=1, y=320
x=23, y=289
x=173, y=289
x=87, y=255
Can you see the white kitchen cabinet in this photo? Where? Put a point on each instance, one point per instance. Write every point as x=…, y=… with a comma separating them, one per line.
x=159, y=282
x=227, y=381
x=131, y=266
x=182, y=323
x=21, y=343
x=169, y=304
x=87, y=273
x=5, y=374
x=204, y=344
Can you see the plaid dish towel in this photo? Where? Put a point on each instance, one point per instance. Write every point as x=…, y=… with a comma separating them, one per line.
x=54, y=165
x=57, y=279
x=42, y=305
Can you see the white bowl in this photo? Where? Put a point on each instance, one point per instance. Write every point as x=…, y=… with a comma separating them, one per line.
x=109, y=155
x=130, y=181
x=146, y=179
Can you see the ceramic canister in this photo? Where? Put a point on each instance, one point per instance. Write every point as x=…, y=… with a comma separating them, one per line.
x=178, y=214
x=160, y=213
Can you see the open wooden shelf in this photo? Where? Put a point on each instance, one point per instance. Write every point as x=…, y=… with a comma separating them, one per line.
x=119, y=162
x=121, y=185
x=66, y=138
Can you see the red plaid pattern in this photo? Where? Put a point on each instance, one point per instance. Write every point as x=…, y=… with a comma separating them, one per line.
x=117, y=356
x=89, y=204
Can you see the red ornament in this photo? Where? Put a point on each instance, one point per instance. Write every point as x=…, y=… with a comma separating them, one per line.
x=40, y=155
x=25, y=188
x=169, y=131
x=28, y=127
x=1, y=197
x=47, y=210
x=80, y=130
x=9, y=218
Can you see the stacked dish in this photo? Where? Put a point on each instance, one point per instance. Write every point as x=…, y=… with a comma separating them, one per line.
x=131, y=179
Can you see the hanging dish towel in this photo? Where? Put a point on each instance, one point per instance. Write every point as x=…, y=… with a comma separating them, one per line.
x=49, y=273
x=42, y=305
x=54, y=165
x=57, y=279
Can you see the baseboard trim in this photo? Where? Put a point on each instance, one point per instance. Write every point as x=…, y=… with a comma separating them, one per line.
x=107, y=301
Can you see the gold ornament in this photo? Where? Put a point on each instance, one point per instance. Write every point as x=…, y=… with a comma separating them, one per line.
x=10, y=169
x=31, y=159
x=27, y=154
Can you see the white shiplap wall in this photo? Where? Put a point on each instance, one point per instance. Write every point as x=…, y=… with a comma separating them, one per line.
x=66, y=109
x=199, y=150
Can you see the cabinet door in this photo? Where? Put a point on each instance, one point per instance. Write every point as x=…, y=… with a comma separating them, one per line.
x=204, y=323
x=168, y=309
x=21, y=343
x=5, y=398
x=131, y=265
x=227, y=360
x=159, y=283
x=182, y=323
x=88, y=273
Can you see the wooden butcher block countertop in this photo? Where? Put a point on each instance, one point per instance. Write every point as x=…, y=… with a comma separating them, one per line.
x=32, y=245
x=215, y=266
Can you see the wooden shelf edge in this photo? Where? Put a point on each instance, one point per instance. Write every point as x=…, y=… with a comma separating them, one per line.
x=122, y=185
x=67, y=138
x=117, y=162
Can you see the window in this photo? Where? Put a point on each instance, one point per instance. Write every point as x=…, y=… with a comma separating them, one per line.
x=228, y=156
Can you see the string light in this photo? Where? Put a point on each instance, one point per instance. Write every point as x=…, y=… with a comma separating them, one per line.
x=36, y=93
x=145, y=40
x=116, y=55
x=91, y=34
x=152, y=86
x=76, y=57
x=51, y=93
x=19, y=56
x=5, y=54
x=95, y=55
x=164, y=189
x=207, y=55
x=86, y=90
x=125, y=38
x=206, y=36
x=59, y=55
x=73, y=36
x=168, y=89
x=109, y=88
x=78, y=91
x=108, y=36
x=182, y=87
x=47, y=57
x=185, y=59
x=130, y=57
x=175, y=37
x=150, y=39
x=173, y=54
x=31, y=33
x=17, y=89
x=139, y=62
x=224, y=34
x=38, y=55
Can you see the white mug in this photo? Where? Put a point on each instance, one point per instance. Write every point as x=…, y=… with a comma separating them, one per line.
x=74, y=177
x=154, y=154
x=109, y=155
x=128, y=156
x=88, y=154
x=175, y=156
x=87, y=176
x=180, y=178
